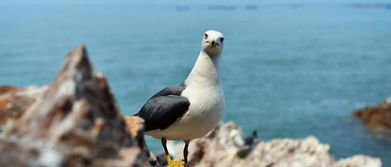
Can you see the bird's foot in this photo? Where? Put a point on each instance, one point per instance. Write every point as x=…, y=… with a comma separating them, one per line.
x=172, y=163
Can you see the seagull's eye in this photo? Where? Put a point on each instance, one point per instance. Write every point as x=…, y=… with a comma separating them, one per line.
x=221, y=39
x=206, y=36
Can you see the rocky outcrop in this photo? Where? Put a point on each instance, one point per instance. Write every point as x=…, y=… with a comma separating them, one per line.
x=376, y=117
x=225, y=145
x=358, y=161
x=72, y=122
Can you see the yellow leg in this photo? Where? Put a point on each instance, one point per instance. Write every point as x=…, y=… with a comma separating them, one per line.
x=172, y=163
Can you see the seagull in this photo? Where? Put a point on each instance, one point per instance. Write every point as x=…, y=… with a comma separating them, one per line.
x=192, y=108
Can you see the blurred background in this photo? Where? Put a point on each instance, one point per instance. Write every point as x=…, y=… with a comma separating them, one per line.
x=290, y=68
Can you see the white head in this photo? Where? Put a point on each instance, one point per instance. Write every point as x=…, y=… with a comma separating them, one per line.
x=212, y=43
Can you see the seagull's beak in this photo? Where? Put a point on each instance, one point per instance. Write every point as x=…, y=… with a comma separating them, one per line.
x=213, y=43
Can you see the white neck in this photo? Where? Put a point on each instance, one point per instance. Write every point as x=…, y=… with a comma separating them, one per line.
x=205, y=71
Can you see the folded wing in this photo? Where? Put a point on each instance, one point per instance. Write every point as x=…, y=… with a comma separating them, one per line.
x=164, y=108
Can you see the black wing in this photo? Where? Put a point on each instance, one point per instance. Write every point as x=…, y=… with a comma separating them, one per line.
x=171, y=90
x=164, y=108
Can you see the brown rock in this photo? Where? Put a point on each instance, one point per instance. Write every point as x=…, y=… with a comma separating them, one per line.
x=15, y=100
x=15, y=156
x=136, y=126
x=376, y=117
x=75, y=122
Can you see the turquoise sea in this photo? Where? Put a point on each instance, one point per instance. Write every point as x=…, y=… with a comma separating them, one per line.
x=290, y=68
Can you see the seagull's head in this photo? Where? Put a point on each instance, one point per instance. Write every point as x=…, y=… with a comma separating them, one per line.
x=213, y=42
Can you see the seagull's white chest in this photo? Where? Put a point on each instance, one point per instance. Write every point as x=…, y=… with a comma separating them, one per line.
x=206, y=105
x=205, y=110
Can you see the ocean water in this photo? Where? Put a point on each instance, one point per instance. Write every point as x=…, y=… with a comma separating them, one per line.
x=290, y=69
